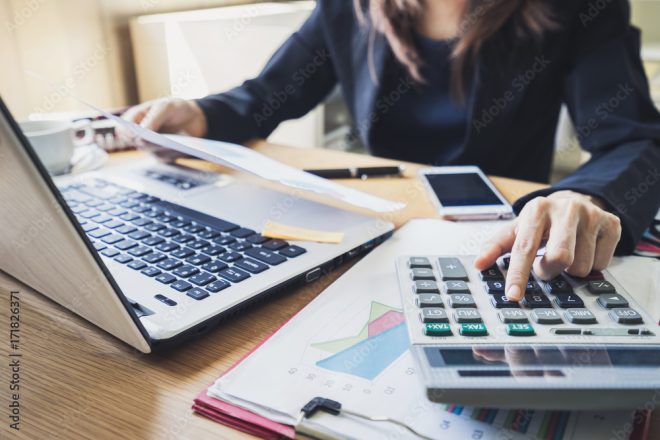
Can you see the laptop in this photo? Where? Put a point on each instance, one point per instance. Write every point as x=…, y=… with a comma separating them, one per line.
x=156, y=254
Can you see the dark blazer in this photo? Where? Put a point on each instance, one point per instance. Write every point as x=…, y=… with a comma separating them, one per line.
x=591, y=64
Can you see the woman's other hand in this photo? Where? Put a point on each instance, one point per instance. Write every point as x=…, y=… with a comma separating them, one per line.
x=581, y=237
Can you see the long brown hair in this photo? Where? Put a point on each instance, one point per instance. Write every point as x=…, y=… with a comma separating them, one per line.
x=482, y=19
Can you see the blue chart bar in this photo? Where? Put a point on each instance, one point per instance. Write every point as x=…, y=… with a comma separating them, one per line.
x=370, y=357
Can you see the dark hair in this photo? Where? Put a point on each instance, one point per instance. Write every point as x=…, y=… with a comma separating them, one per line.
x=482, y=19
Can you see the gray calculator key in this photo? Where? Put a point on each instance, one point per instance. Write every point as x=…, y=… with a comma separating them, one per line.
x=460, y=301
x=580, y=316
x=546, y=316
x=612, y=300
x=456, y=286
x=467, y=315
x=419, y=263
x=429, y=300
x=426, y=286
x=452, y=269
x=422, y=274
x=626, y=316
x=600, y=286
x=434, y=315
x=509, y=316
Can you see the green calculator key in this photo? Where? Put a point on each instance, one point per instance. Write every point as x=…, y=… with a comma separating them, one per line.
x=473, y=329
x=520, y=330
x=437, y=329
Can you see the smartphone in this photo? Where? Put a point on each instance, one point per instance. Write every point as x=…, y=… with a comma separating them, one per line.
x=464, y=193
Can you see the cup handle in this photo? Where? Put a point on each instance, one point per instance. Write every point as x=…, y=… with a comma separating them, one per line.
x=86, y=126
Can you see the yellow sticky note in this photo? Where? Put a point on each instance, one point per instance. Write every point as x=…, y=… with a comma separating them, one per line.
x=285, y=232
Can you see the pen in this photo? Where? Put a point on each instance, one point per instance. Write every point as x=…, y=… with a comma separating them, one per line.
x=358, y=173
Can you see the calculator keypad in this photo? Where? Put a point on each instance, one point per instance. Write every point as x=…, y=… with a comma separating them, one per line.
x=453, y=300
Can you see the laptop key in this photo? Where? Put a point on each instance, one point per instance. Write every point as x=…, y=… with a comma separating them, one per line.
x=183, y=253
x=214, y=250
x=154, y=227
x=240, y=246
x=88, y=227
x=165, y=278
x=123, y=259
x=194, y=229
x=129, y=217
x=275, y=245
x=224, y=241
x=251, y=265
x=139, y=235
x=140, y=251
x=214, y=266
x=181, y=285
x=99, y=233
x=137, y=264
x=242, y=232
x=154, y=257
x=198, y=260
x=292, y=251
x=126, y=229
x=99, y=246
x=142, y=222
x=185, y=271
x=168, y=232
x=198, y=244
x=234, y=275
x=230, y=257
x=217, y=286
x=184, y=238
x=153, y=241
x=150, y=271
x=197, y=293
x=109, y=252
x=169, y=264
x=168, y=247
x=202, y=279
x=265, y=256
x=257, y=239
x=114, y=223
x=112, y=239
x=209, y=234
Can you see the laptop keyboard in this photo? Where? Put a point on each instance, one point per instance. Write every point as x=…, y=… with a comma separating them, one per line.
x=190, y=252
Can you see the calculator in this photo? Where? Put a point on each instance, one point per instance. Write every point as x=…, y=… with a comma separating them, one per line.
x=571, y=343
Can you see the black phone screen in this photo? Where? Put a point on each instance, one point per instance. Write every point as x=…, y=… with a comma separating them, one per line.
x=464, y=189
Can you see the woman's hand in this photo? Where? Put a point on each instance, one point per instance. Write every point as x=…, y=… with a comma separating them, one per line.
x=168, y=115
x=581, y=236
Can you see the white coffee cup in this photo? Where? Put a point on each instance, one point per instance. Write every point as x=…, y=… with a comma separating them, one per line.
x=54, y=141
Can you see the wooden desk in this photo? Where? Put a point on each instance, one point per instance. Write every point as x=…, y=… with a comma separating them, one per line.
x=78, y=382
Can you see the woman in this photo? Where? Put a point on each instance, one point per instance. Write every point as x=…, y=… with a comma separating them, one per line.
x=479, y=82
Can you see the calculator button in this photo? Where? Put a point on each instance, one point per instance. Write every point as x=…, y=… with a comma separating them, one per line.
x=532, y=287
x=434, y=315
x=568, y=301
x=452, y=269
x=419, y=263
x=426, y=286
x=429, y=300
x=501, y=302
x=513, y=315
x=461, y=301
x=467, y=315
x=491, y=274
x=559, y=285
x=598, y=287
x=494, y=287
x=473, y=329
x=422, y=274
x=520, y=330
x=456, y=287
x=626, y=316
x=580, y=316
x=611, y=301
x=546, y=316
x=537, y=301
x=437, y=329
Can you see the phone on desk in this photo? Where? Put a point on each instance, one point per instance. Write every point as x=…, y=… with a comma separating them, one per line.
x=464, y=193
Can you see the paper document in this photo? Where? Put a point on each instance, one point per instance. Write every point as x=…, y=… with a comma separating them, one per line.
x=358, y=321
x=247, y=160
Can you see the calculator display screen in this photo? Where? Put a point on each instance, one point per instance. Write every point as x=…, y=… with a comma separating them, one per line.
x=464, y=189
x=543, y=356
